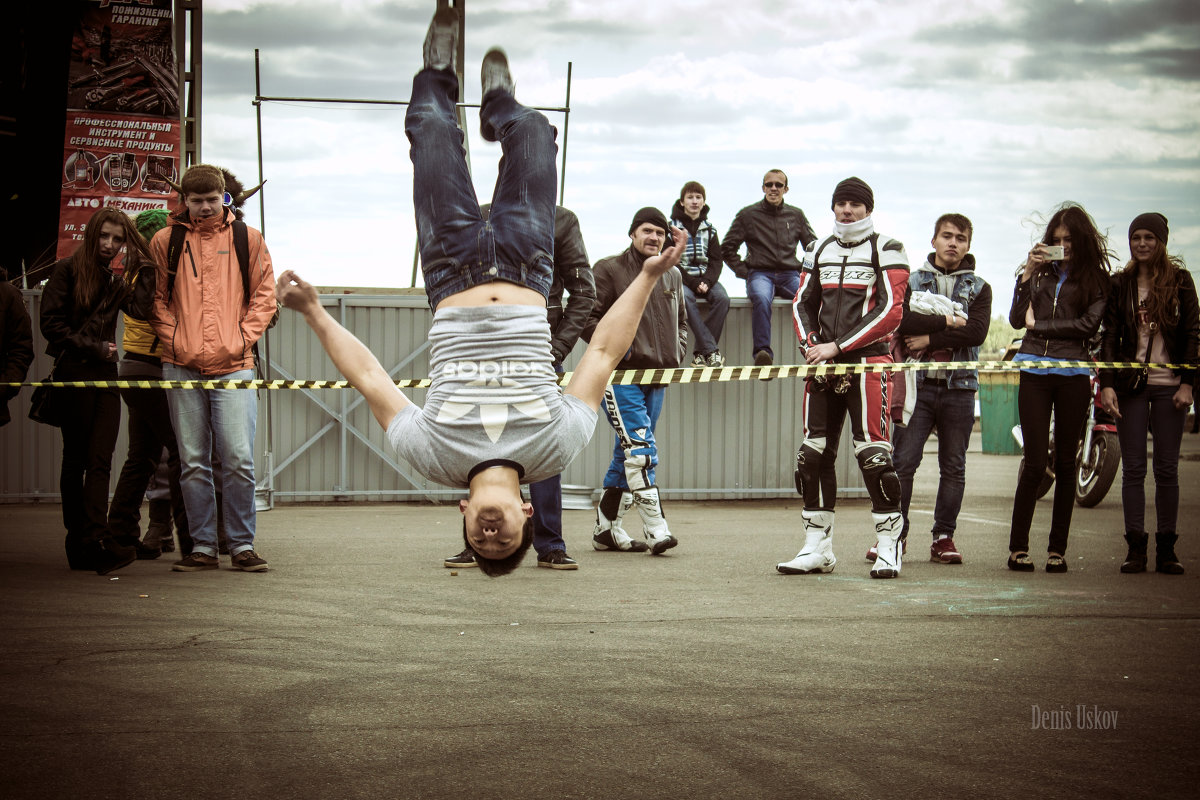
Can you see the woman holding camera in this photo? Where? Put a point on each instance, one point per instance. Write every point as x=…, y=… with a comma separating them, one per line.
x=80, y=303
x=1152, y=317
x=1059, y=300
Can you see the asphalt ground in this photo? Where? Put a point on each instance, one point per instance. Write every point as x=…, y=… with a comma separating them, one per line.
x=359, y=667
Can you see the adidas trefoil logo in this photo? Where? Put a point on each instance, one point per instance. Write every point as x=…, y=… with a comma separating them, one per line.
x=493, y=397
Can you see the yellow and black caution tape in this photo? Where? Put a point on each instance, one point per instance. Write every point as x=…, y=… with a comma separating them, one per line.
x=641, y=377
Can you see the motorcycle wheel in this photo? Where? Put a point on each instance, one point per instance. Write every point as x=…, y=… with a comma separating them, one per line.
x=1092, y=483
x=1044, y=486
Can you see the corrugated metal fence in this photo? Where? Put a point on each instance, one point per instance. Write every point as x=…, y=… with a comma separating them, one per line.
x=717, y=440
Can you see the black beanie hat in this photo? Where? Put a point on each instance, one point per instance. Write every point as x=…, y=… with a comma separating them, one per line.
x=855, y=189
x=1150, y=221
x=651, y=215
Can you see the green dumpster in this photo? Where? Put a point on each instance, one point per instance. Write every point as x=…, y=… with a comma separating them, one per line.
x=998, y=412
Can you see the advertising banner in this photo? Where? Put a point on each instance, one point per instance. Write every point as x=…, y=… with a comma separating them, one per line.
x=122, y=140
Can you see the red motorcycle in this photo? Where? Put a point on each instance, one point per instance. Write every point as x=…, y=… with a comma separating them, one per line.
x=1097, y=456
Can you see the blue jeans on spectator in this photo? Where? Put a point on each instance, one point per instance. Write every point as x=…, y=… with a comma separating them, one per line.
x=1152, y=408
x=546, y=497
x=763, y=286
x=706, y=329
x=952, y=411
x=633, y=412
x=226, y=419
x=458, y=248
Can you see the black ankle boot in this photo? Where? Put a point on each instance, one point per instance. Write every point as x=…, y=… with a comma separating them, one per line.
x=78, y=554
x=108, y=556
x=1165, y=559
x=158, y=532
x=1135, y=560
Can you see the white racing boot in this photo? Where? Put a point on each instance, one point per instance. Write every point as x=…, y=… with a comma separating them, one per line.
x=817, y=553
x=610, y=534
x=654, y=522
x=888, y=545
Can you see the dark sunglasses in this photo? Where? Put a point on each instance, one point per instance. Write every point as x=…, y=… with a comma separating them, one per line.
x=773, y=185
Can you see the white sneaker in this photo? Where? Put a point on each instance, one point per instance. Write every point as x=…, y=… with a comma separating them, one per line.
x=654, y=522
x=888, y=545
x=610, y=534
x=817, y=553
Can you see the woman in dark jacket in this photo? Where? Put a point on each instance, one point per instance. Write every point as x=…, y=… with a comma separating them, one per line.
x=1059, y=300
x=1152, y=317
x=80, y=303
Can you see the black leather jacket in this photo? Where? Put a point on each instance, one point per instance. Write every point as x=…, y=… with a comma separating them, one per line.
x=1064, y=325
x=771, y=234
x=77, y=335
x=1119, y=341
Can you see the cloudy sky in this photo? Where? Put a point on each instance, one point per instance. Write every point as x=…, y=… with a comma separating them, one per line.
x=999, y=109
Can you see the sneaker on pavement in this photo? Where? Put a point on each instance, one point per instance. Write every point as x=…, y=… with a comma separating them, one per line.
x=461, y=561
x=250, y=561
x=557, y=559
x=195, y=562
x=441, y=41
x=873, y=552
x=943, y=550
x=715, y=359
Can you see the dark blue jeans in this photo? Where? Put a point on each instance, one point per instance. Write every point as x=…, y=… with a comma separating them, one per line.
x=706, y=328
x=458, y=248
x=952, y=411
x=762, y=287
x=1154, y=407
x=546, y=497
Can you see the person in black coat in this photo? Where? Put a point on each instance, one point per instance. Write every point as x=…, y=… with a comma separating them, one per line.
x=16, y=342
x=1152, y=317
x=80, y=303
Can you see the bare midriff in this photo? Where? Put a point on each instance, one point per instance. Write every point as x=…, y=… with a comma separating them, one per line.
x=495, y=293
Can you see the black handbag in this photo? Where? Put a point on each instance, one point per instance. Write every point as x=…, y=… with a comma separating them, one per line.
x=1131, y=381
x=47, y=404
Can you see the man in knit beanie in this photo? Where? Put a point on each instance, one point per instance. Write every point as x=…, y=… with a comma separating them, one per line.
x=660, y=343
x=851, y=299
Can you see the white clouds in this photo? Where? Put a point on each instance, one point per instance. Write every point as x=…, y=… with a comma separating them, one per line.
x=996, y=108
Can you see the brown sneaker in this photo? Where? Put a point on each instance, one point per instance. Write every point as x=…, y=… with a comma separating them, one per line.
x=196, y=562
x=250, y=561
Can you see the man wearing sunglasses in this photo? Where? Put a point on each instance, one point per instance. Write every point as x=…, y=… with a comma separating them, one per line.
x=770, y=229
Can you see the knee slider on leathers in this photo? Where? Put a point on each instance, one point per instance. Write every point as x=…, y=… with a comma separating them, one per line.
x=879, y=474
x=808, y=471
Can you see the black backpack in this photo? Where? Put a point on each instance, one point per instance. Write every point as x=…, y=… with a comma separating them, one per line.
x=241, y=247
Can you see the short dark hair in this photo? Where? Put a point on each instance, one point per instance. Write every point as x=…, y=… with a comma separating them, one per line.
x=693, y=186
x=202, y=179
x=958, y=221
x=495, y=567
x=781, y=172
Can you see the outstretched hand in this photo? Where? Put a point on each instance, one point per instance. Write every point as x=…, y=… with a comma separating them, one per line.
x=296, y=293
x=655, y=266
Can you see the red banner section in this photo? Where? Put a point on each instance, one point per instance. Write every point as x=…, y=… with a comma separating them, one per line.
x=122, y=140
